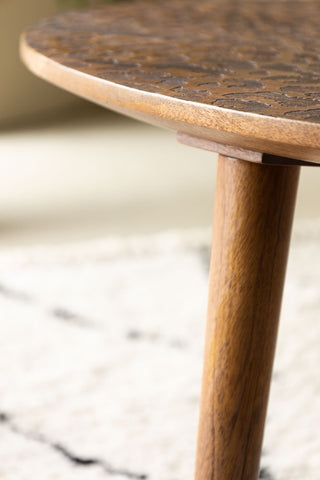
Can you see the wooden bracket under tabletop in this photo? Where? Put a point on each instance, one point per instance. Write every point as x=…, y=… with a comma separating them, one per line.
x=240, y=153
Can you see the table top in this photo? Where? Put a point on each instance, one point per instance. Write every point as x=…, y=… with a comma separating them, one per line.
x=243, y=73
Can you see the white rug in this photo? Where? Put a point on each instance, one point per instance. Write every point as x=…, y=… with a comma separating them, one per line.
x=101, y=359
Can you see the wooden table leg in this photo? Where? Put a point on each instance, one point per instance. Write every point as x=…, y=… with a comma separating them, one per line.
x=253, y=217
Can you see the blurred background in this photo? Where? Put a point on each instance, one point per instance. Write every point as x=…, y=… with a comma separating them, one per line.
x=66, y=172
x=105, y=231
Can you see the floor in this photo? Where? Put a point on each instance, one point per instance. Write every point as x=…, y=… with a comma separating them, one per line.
x=91, y=173
x=111, y=368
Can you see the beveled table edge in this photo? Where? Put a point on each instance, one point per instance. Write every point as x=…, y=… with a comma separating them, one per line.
x=259, y=133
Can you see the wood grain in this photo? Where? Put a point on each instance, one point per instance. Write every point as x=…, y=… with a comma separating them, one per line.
x=253, y=217
x=243, y=77
x=240, y=153
x=245, y=73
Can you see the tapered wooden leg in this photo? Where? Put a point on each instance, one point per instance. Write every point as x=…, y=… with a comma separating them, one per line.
x=253, y=218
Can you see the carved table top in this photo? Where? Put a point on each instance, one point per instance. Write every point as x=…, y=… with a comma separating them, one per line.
x=241, y=73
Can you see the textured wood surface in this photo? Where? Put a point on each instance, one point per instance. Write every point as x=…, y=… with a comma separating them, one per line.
x=241, y=73
x=253, y=216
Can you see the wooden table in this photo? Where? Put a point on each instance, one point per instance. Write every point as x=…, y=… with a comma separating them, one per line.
x=241, y=79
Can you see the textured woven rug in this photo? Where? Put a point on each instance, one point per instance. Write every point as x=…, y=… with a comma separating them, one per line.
x=101, y=358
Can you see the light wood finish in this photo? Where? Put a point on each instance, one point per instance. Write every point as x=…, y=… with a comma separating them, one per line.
x=245, y=74
x=252, y=225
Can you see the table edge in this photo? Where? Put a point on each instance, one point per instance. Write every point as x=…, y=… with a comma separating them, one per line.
x=277, y=136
